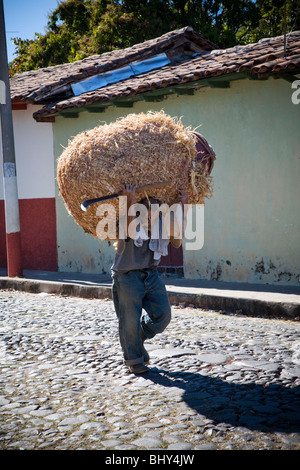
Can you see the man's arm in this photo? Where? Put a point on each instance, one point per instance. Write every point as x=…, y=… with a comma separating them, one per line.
x=129, y=192
x=176, y=242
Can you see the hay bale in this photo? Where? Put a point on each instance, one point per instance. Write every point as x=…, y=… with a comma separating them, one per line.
x=139, y=149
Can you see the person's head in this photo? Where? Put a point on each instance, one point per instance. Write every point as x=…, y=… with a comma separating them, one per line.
x=147, y=202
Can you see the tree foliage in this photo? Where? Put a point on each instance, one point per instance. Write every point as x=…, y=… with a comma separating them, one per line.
x=80, y=28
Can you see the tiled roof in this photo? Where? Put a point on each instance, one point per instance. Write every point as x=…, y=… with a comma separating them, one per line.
x=33, y=85
x=193, y=59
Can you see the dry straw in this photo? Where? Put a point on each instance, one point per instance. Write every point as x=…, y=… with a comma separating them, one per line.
x=139, y=149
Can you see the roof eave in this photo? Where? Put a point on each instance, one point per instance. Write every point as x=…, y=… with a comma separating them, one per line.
x=186, y=86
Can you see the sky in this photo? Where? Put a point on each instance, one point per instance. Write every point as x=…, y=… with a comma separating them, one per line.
x=24, y=18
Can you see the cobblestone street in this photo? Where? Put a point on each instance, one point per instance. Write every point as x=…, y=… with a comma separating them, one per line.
x=218, y=381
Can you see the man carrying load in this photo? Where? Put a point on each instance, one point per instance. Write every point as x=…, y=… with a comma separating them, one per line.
x=137, y=287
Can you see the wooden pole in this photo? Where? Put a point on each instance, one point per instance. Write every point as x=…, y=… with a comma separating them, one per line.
x=12, y=220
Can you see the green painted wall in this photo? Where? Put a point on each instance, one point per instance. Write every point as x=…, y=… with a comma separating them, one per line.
x=252, y=223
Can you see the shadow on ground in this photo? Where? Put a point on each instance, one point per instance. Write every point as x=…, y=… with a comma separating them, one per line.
x=271, y=408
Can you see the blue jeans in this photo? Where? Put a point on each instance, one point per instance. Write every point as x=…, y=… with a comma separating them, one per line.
x=134, y=291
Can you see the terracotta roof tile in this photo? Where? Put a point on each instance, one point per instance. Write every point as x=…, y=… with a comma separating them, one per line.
x=258, y=59
x=28, y=86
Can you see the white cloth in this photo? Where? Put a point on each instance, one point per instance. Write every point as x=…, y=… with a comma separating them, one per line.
x=160, y=245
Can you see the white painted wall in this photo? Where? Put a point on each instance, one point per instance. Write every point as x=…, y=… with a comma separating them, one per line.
x=34, y=156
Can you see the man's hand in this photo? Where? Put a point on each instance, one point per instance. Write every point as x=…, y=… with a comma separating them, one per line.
x=182, y=196
x=129, y=192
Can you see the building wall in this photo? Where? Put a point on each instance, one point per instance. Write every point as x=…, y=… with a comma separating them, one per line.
x=36, y=191
x=252, y=223
x=77, y=251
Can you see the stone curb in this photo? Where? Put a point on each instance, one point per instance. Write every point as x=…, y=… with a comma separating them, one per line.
x=245, y=306
x=250, y=307
x=53, y=287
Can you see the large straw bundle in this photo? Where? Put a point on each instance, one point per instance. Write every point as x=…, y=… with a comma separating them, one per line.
x=139, y=149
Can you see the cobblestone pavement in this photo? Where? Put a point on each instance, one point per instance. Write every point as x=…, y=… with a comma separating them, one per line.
x=217, y=381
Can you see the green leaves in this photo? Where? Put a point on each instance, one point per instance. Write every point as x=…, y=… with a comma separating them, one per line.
x=80, y=28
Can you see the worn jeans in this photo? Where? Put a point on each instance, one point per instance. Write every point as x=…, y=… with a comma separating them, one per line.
x=133, y=292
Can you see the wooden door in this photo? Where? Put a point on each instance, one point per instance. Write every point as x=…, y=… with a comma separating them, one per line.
x=173, y=262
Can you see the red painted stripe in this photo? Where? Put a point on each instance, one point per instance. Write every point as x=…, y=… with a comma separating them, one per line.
x=18, y=105
x=3, y=262
x=14, y=261
x=38, y=234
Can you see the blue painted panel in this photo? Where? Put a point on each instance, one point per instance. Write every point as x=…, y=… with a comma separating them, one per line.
x=107, y=78
x=150, y=64
x=101, y=80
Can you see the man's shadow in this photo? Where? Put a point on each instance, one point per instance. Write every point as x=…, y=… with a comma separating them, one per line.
x=270, y=408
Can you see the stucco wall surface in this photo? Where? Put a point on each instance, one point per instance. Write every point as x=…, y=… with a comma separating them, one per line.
x=36, y=191
x=252, y=223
